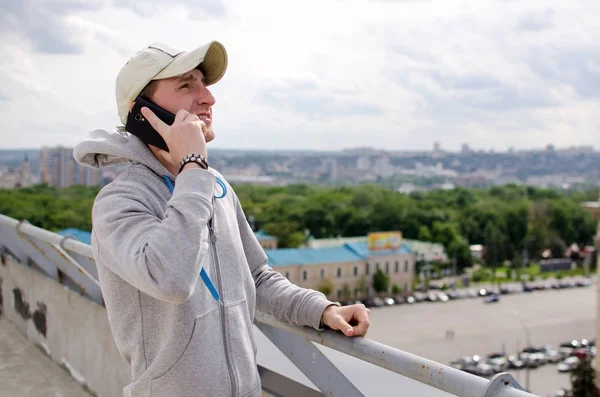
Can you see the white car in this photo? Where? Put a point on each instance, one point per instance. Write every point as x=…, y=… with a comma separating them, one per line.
x=568, y=364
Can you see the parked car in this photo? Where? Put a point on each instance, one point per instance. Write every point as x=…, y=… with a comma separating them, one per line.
x=493, y=298
x=514, y=362
x=533, y=356
x=583, y=283
x=462, y=362
x=399, y=300
x=552, y=355
x=498, y=361
x=373, y=301
x=419, y=296
x=442, y=297
x=568, y=364
x=431, y=297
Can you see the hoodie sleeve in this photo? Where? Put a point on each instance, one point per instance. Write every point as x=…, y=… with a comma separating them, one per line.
x=275, y=294
x=158, y=257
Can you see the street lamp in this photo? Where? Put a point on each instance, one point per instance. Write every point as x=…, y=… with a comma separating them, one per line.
x=528, y=341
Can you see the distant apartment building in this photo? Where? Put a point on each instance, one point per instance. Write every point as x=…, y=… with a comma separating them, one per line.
x=383, y=166
x=329, y=168
x=346, y=266
x=59, y=168
x=363, y=163
x=472, y=180
x=14, y=179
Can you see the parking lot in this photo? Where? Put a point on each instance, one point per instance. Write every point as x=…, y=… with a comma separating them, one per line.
x=552, y=317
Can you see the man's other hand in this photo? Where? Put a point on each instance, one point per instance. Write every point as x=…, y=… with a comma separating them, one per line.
x=353, y=320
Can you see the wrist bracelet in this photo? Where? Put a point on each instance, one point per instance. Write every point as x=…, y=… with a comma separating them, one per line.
x=193, y=158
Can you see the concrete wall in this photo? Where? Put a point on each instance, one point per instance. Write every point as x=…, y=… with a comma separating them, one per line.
x=73, y=330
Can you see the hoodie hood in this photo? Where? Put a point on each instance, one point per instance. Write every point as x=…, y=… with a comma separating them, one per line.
x=102, y=148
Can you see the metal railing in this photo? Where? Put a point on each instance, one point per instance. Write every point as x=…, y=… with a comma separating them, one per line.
x=71, y=263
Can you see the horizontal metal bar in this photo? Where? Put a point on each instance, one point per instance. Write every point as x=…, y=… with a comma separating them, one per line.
x=429, y=372
x=31, y=250
x=10, y=241
x=46, y=235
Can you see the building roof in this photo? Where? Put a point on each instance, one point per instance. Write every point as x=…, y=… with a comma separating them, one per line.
x=81, y=235
x=261, y=235
x=362, y=249
x=310, y=256
x=413, y=245
x=336, y=241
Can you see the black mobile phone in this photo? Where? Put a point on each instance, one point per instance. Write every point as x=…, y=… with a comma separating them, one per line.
x=140, y=127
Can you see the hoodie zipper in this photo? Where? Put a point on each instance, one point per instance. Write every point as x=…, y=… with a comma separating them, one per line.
x=213, y=240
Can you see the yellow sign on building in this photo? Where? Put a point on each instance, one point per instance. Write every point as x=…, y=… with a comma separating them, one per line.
x=385, y=241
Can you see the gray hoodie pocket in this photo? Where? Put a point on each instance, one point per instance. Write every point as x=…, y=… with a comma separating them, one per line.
x=240, y=336
x=202, y=369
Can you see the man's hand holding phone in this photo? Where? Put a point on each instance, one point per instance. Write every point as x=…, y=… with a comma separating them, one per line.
x=186, y=135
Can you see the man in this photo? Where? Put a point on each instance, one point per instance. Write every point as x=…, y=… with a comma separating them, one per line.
x=180, y=269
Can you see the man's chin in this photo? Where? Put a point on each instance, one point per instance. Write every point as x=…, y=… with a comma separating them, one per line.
x=210, y=135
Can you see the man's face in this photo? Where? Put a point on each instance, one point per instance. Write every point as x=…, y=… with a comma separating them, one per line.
x=187, y=92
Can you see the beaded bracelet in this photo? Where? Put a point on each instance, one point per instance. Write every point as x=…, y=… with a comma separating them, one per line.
x=193, y=158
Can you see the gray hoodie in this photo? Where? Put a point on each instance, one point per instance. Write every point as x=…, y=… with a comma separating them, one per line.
x=150, y=245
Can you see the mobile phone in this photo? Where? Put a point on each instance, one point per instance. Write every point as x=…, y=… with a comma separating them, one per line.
x=138, y=125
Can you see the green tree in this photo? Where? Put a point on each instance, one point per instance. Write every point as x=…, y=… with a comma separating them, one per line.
x=557, y=246
x=288, y=234
x=517, y=224
x=494, y=245
x=362, y=285
x=424, y=233
x=396, y=289
x=444, y=232
x=460, y=248
x=346, y=293
x=326, y=286
x=381, y=281
x=537, y=239
x=583, y=380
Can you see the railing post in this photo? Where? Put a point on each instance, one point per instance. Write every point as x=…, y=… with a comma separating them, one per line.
x=312, y=362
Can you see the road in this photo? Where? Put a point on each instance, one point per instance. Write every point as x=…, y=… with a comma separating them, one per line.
x=552, y=316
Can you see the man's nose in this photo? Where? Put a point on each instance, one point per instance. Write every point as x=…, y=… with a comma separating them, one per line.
x=205, y=97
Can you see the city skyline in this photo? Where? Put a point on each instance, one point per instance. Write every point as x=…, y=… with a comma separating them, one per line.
x=394, y=75
x=461, y=148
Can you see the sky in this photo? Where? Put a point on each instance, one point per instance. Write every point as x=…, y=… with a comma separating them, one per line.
x=322, y=75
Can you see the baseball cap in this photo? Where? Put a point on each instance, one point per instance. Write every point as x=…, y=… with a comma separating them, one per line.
x=159, y=61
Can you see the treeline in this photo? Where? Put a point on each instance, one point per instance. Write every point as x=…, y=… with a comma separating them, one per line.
x=50, y=208
x=509, y=220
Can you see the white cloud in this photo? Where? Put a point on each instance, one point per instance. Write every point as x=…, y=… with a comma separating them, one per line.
x=324, y=75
